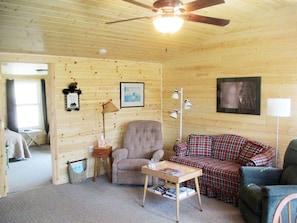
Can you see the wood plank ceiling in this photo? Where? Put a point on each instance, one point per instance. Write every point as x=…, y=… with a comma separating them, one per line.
x=77, y=27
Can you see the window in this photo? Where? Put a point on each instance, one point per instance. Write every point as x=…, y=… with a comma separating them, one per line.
x=28, y=103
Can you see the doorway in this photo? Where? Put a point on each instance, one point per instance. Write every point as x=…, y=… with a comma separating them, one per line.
x=35, y=171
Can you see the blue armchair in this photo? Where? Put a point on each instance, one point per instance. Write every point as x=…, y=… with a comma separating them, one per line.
x=262, y=188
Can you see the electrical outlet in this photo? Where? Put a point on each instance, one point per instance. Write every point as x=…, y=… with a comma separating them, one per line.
x=91, y=149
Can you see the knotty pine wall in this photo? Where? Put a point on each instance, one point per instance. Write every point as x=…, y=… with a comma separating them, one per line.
x=3, y=168
x=266, y=48
x=73, y=132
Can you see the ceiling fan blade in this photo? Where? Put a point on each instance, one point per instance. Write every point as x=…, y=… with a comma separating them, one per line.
x=141, y=5
x=199, y=4
x=205, y=19
x=126, y=20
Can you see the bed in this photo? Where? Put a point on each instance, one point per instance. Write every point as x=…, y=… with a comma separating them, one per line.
x=17, y=145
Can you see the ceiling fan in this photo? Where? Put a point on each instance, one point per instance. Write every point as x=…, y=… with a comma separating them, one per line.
x=176, y=9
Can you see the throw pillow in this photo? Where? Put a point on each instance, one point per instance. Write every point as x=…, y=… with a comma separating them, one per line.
x=199, y=145
x=181, y=149
x=289, y=175
x=227, y=146
x=251, y=149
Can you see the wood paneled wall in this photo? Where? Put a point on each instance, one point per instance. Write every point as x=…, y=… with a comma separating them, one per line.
x=266, y=48
x=3, y=163
x=73, y=132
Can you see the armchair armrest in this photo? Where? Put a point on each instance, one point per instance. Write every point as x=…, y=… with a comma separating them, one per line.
x=271, y=196
x=158, y=154
x=259, y=175
x=278, y=190
x=120, y=154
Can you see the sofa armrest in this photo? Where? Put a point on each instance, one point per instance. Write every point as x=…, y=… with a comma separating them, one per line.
x=158, y=154
x=271, y=196
x=263, y=159
x=259, y=175
x=120, y=154
x=181, y=149
x=258, y=160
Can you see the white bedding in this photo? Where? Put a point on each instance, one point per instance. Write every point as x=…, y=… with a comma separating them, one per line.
x=18, y=147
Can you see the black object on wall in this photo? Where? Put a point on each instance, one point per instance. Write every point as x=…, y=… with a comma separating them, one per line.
x=72, y=97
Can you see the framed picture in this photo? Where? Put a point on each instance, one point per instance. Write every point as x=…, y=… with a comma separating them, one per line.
x=239, y=95
x=72, y=101
x=131, y=94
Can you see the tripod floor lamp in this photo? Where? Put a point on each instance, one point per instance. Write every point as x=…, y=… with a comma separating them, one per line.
x=174, y=114
x=107, y=107
x=278, y=107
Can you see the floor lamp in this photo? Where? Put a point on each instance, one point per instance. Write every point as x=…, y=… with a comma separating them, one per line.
x=278, y=107
x=175, y=113
x=107, y=107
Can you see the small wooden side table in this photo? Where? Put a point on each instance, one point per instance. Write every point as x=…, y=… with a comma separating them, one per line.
x=104, y=153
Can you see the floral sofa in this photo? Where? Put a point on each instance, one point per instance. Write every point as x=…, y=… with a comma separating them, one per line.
x=220, y=157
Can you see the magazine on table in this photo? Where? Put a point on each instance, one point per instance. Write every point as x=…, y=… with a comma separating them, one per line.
x=170, y=171
x=159, y=189
x=183, y=192
x=171, y=192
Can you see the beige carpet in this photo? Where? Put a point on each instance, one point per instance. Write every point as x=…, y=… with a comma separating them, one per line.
x=104, y=202
x=31, y=173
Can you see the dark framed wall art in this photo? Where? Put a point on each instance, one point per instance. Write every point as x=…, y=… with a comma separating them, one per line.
x=131, y=94
x=72, y=101
x=240, y=95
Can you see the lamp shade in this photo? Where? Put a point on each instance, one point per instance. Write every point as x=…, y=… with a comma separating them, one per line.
x=188, y=104
x=109, y=107
x=175, y=95
x=168, y=23
x=280, y=107
x=174, y=114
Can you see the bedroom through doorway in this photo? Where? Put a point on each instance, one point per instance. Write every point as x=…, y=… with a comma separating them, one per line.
x=26, y=91
x=31, y=173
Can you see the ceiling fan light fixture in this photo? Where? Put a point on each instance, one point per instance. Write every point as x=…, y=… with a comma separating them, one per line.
x=168, y=24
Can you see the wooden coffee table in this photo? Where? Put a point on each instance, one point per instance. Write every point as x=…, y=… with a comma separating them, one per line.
x=184, y=173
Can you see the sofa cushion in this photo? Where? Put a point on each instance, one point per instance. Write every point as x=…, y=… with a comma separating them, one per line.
x=289, y=175
x=252, y=148
x=199, y=145
x=198, y=161
x=227, y=146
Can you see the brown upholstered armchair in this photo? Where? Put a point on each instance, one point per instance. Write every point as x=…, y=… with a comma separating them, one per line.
x=142, y=142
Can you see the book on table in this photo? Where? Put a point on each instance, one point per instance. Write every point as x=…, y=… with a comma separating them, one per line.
x=159, y=189
x=171, y=192
x=183, y=192
x=170, y=171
